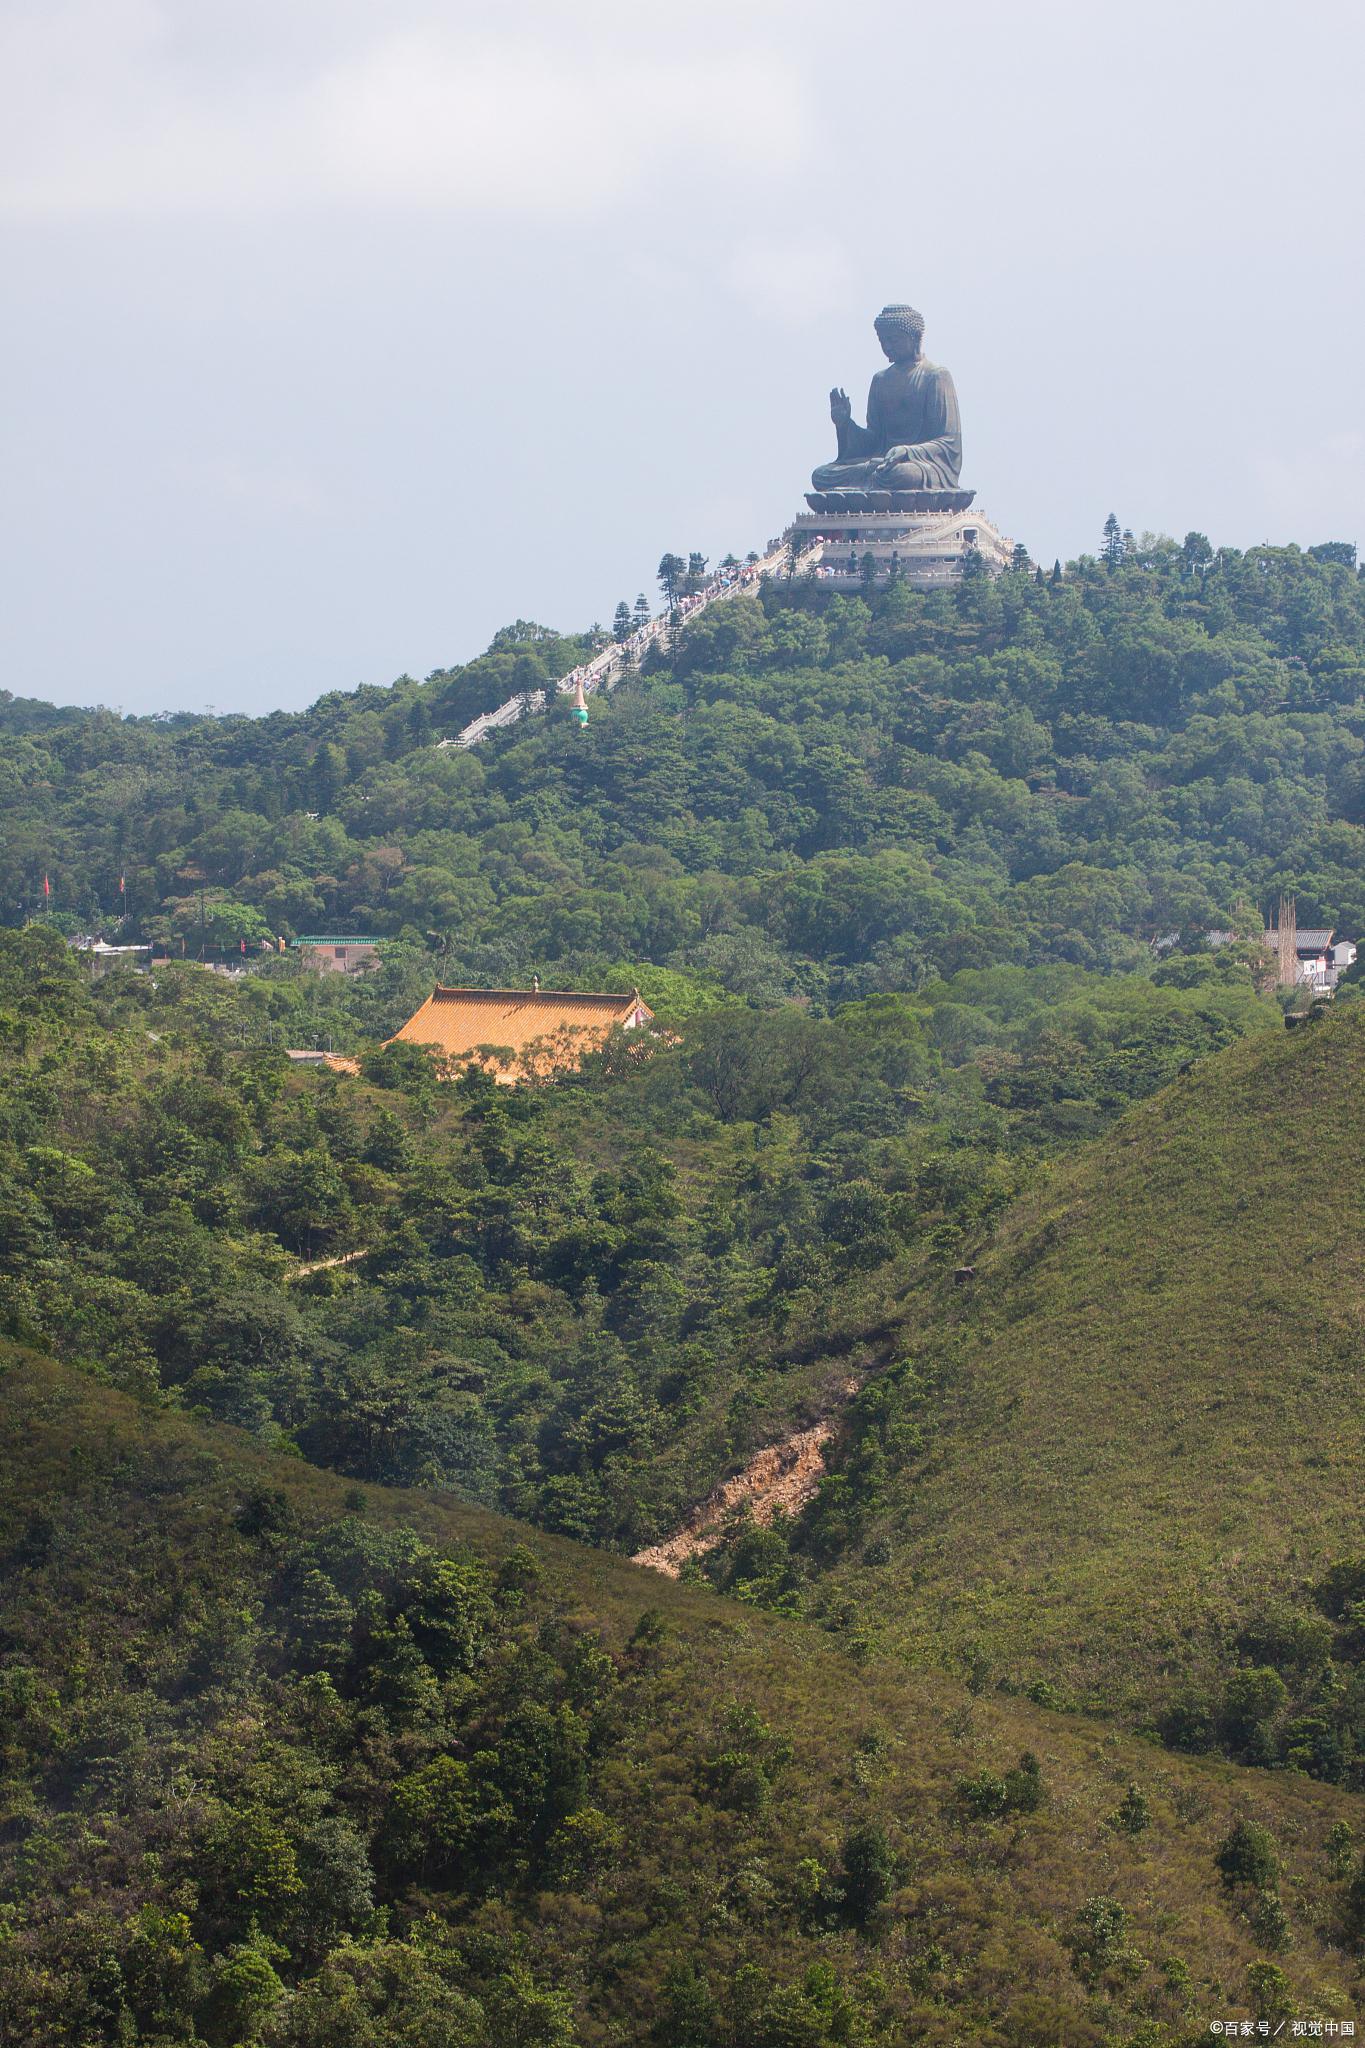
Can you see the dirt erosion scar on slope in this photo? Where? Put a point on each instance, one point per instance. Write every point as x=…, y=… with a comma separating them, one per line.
x=781, y=1476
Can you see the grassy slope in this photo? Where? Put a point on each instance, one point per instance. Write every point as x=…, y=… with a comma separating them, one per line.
x=1153, y=1414
x=152, y=1498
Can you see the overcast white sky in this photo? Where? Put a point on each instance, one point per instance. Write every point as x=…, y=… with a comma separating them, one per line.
x=340, y=334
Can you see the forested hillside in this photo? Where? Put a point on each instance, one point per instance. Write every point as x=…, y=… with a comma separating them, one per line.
x=292, y=1763
x=1117, y=1466
x=580, y=1303
x=952, y=1103
x=815, y=794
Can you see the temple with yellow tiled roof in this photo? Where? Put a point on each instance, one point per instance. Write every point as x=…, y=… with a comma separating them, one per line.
x=520, y=1034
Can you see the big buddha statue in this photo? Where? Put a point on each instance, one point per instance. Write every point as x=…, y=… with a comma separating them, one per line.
x=909, y=454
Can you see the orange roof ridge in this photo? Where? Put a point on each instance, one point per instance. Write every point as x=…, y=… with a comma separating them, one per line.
x=577, y=995
x=524, y=1032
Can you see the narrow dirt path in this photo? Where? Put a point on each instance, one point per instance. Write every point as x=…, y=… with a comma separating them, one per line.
x=781, y=1476
x=321, y=1265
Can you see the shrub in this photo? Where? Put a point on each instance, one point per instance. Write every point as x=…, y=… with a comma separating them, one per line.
x=1287, y=1638
x=1340, y=1844
x=1341, y=1587
x=811, y=1891
x=1246, y=1855
x=1132, y=1814
x=689, y=2010
x=1251, y=1699
x=245, y=1989
x=738, y=1781
x=1270, y=1991
x=1024, y=1787
x=1189, y=1721
x=869, y=1871
x=1310, y=1743
x=1270, y=1922
x=1021, y=1790
x=1098, y=1940
x=983, y=1796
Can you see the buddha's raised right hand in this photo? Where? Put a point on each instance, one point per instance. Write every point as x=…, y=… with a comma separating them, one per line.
x=840, y=407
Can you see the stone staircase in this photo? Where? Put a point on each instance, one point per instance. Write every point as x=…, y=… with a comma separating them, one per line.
x=606, y=669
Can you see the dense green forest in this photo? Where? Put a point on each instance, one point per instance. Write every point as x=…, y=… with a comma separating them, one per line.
x=958, y=1132
x=579, y=1303
x=814, y=794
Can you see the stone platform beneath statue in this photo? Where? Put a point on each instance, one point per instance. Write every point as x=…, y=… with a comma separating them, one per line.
x=839, y=502
x=924, y=546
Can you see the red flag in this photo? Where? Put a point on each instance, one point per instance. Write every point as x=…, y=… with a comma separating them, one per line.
x=47, y=886
x=244, y=945
x=122, y=885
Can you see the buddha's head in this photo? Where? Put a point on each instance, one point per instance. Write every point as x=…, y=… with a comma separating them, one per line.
x=900, y=330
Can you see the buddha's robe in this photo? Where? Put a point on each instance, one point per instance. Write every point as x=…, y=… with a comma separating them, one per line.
x=911, y=406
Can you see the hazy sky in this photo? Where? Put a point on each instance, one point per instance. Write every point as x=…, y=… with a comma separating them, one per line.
x=340, y=334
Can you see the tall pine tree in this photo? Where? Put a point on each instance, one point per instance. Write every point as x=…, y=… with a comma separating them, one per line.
x=1111, y=554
